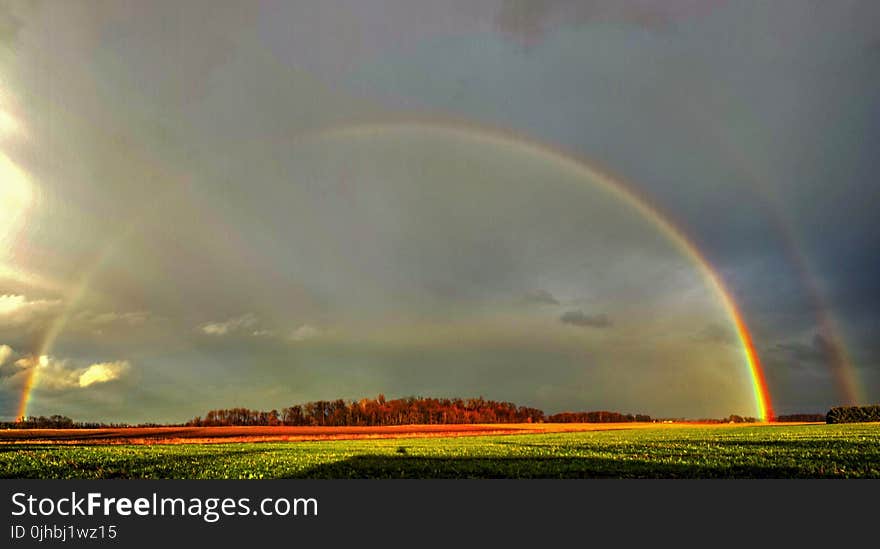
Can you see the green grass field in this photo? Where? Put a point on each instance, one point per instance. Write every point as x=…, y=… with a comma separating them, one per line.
x=812, y=451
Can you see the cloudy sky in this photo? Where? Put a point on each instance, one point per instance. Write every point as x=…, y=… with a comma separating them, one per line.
x=256, y=204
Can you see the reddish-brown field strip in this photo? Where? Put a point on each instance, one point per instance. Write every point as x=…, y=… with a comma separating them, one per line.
x=202, y=435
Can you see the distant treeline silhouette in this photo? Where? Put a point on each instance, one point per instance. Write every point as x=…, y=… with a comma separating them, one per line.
x=422, y=410
x=733, y=418
x=853, y=414
x=377, y=411
x=596, y=417
x=797, y=418
x=55, y=422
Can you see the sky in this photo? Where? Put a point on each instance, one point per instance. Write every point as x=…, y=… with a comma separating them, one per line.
x=218, y=204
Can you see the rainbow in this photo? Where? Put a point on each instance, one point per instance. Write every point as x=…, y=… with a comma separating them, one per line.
x=504, y=138
x=72, y=298
x=521, y=144
x=840, y=365
x=57, y=325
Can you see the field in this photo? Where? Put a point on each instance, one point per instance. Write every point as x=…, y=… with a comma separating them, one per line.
x=532, y=451
x=209, y=435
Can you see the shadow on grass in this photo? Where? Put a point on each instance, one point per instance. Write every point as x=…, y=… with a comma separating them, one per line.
x=803, y=446
x=367, y=466
x=38, y=461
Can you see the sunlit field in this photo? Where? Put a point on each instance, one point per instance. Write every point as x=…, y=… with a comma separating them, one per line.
x=658, y=451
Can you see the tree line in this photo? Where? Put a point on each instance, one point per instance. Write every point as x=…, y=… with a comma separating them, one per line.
x=597, y=417
x=801, y=418
x=377, y=411
x=732, y=418
x=853, y=414
x=54, y=422
x=380, y=411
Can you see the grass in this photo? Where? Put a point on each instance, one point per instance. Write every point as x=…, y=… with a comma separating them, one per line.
x=811, y=451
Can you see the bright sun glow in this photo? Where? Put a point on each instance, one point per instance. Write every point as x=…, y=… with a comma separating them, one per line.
x=15, y=198
x=8, y=124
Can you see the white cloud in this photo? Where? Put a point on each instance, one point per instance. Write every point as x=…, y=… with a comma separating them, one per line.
x=305, y=332
x=54, y=374
x=103, y=372
x=231, y=325
x=249, y=325
x=5, y=353
x=133, y=318
x=18, y=310
x=13, y=363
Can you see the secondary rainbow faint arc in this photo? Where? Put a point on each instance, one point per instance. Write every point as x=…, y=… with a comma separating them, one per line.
x=504, y=138
x=464, y=130
x=840, y=364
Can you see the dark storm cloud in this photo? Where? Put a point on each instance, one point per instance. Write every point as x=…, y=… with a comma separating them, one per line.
x=580, y=318
x=817, y=353
x=540, y=297
x=715, y=333
x=10, y=24
x=8, y=358
x=529, y=20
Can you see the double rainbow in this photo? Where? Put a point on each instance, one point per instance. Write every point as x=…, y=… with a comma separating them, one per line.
x=522, y=145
